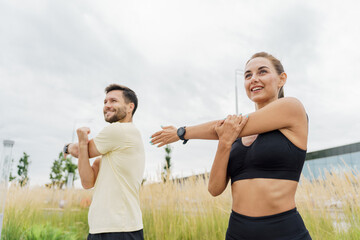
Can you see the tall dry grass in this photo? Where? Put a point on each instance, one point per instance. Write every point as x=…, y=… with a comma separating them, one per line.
x=330, y=208
x=183, y=210
x=42, y=213
x=330, y=205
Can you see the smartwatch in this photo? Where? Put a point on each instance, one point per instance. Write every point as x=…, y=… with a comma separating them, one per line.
x=181, y=133
x=66, y=148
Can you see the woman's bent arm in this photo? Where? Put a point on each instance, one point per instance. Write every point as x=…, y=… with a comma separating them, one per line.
x=218, y=175
x=227, y=132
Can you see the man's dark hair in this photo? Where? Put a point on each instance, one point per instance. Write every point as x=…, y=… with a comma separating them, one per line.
x=129, y=95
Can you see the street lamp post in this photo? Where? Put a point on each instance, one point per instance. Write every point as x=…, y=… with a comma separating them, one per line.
x=5, y=163
x=237, y=72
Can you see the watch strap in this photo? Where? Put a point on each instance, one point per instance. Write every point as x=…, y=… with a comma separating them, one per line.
x=66, y=148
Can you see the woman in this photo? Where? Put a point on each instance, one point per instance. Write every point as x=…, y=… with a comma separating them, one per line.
x=262, y=153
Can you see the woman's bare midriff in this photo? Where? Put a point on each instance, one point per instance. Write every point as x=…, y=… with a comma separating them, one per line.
x=262, y=197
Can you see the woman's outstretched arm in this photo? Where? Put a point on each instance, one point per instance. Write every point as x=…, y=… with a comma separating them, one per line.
x=169, y=135
x=228, y=132
x=285, y=113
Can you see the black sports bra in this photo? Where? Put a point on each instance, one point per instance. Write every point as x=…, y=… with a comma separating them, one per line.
x=271, y=155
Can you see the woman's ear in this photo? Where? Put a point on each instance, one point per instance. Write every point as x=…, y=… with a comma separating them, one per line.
x=283, y=77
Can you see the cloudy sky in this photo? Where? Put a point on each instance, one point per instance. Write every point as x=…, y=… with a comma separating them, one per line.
x=180, y=57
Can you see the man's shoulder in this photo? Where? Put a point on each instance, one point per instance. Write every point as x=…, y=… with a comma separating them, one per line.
x=119, y=125
x=121, y=128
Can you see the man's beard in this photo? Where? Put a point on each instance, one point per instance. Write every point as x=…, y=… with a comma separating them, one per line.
x=120, y=114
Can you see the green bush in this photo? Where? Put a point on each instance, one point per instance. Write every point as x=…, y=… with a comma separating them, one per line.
x=42, y=232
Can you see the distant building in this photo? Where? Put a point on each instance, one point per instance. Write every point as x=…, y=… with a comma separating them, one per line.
x=195, y=178
x=335, y=159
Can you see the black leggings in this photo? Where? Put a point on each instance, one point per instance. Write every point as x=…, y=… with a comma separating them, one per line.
x=136, y=235
x=283, y=226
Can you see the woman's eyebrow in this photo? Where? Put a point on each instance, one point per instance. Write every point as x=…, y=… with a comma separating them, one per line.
x=262, y=67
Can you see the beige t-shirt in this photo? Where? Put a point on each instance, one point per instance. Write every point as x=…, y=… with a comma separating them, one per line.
x=116, y=206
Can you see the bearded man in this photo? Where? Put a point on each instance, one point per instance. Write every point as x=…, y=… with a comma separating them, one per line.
x=116, y=177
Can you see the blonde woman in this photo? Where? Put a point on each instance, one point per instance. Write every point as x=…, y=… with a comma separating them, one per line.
x=262, y=153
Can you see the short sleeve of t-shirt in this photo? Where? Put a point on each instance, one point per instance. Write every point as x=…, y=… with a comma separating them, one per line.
x=108, y=139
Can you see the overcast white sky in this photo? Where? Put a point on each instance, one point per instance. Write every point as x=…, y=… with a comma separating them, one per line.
x=180, y=58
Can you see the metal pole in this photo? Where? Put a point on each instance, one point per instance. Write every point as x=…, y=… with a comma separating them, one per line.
x=237, y=71
x=4, y=178
x=236, y=94
x=69, y=183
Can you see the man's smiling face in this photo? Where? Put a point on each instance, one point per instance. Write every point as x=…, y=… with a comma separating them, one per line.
x=115, y=107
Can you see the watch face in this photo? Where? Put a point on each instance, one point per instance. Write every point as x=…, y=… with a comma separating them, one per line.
x=181, y=132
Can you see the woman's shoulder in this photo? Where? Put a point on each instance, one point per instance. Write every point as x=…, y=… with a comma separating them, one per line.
x=291, y=104
x=290, y=101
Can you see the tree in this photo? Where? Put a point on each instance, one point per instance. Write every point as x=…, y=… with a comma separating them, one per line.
x=60, y=171
x=23, y=167
x=167, y=165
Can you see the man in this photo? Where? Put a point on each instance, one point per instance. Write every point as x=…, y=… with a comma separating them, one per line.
x=116, y=177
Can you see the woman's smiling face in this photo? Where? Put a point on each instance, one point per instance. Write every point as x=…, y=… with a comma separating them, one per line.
x=262, y=82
